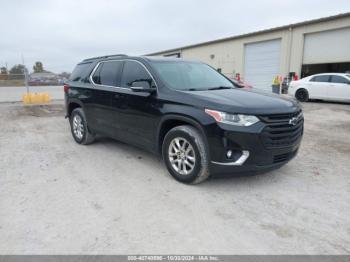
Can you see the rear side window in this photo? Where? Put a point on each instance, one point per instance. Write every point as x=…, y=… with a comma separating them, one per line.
x=107, y=73
x=322, y=78
x=80, y=72
x=339, y=80
x=132, y=72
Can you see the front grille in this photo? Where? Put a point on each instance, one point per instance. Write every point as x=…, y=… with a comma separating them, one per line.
x=279, y=132
x=284, y=157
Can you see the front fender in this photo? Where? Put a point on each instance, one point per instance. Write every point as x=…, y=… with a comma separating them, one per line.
x=196, y=119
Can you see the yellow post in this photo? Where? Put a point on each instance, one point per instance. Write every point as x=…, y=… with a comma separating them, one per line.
x=36, y=98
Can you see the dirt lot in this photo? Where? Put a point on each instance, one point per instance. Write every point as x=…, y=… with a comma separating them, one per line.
x=58, y=197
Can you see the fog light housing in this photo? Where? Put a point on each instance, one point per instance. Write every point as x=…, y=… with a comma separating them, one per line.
x=229, y=153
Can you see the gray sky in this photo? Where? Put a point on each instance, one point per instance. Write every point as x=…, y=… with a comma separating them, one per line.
x=60, y=33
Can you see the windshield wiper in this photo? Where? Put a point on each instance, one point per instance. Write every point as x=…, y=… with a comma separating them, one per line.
x=220, y=87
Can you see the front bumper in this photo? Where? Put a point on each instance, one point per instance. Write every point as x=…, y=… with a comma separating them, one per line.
x=249, y=152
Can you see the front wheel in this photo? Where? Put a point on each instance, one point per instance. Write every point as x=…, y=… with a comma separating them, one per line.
x=185, y=155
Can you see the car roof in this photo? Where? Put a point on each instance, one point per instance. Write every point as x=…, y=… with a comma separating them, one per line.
x=335, y=74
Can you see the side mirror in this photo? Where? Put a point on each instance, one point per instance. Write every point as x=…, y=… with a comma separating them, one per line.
x=141, y=86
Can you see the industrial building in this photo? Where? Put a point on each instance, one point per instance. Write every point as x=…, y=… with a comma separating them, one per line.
x=305, y=48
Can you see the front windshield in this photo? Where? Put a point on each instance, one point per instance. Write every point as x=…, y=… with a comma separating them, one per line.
x=190, y=76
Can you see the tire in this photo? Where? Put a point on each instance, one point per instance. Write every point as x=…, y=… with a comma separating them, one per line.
x=302, y=95
x=191, y=165
x=79, y=127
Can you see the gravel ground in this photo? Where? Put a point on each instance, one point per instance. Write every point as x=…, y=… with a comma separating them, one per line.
x=57, y=197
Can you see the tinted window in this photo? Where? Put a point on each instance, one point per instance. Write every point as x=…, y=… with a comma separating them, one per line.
x=183, y=75
x=132, y=72
x=322, y=78
x=96, y=76
x=80, y=72
x=107, y=73
x=339, y=80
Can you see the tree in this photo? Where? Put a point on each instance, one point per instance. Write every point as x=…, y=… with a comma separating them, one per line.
x=38, y=67
x=17, y=71
x=3, y=71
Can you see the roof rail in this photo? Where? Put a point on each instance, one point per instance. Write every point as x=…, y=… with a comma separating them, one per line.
x=100, y=57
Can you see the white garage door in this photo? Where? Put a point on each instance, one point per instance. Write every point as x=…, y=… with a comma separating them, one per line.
x=262, y=63
x=327, y=47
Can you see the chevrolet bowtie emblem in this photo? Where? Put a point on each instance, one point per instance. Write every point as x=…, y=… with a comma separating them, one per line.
x=293, y=121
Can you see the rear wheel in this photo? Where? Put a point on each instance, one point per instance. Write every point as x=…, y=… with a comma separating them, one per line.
x=185, y=155
x=79, y=127
x=302, y=95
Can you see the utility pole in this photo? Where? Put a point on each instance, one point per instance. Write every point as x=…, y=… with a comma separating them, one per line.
x=25, y=72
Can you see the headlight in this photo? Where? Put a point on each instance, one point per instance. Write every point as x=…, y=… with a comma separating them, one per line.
x=232, y=119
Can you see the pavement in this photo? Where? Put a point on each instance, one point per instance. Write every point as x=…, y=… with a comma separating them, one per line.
x=15, y=93
x=58, y=197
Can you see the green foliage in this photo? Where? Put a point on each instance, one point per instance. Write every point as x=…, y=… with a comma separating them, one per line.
x=3, y=71
x=38, y=67
x=17, y=69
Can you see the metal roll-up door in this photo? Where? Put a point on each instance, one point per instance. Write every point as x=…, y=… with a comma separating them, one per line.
x=327, y=47
x=262, y=63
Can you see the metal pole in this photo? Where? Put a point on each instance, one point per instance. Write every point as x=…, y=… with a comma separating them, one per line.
x=25, y=71
x=26, y=79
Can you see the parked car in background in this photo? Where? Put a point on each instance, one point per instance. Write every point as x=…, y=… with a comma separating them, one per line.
x=327, y=86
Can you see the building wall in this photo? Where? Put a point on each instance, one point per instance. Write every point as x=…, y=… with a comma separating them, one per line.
x=229, y=54
x=299, y=34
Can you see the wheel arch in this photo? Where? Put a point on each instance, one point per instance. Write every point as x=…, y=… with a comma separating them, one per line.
x=73, y=104
x=172, y=120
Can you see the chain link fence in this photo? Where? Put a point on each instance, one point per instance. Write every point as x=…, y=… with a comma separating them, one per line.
x=41, y=79
x=12, y=79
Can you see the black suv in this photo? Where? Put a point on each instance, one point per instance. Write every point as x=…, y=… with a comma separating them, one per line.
x=201, y=122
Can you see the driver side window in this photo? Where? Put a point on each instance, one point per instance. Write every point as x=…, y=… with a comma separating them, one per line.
x=132, y=72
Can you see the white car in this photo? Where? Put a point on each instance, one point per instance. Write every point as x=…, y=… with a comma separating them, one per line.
x=328, y=86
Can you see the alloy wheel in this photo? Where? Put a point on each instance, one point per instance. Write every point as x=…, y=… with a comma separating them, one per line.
x=181, y=156
x=78, y=127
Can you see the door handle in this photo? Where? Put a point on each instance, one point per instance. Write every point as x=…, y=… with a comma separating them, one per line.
x=118, y=95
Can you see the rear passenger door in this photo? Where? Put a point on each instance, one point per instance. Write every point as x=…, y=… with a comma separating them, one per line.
x=318, y=86
x=136, y=112
x=340, y=88
x=105, y=79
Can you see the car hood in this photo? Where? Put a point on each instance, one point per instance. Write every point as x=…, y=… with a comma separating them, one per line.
x=243, y=101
